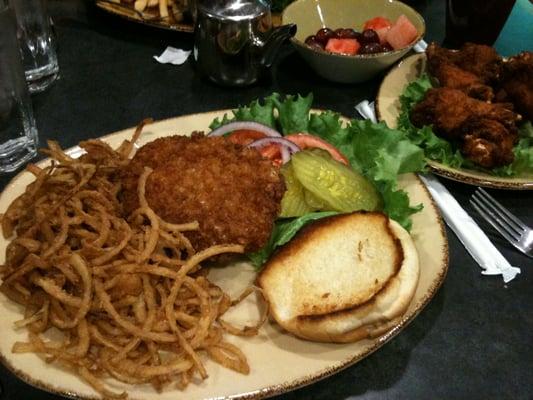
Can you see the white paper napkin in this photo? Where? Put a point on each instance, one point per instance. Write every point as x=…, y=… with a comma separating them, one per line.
x=173, y=56
x=367, y=110
x=469, y=233
x=420, y=47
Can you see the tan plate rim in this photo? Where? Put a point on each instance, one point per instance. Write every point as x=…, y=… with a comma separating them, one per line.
x=306, y=380
x=131, y=15
x=463, y=175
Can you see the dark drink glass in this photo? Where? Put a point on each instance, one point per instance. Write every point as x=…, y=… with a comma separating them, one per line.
x=477, y=21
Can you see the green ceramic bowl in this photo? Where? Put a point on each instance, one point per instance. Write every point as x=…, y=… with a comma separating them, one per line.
x=311, y=15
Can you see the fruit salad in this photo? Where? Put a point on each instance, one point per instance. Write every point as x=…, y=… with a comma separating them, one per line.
x=378, y=35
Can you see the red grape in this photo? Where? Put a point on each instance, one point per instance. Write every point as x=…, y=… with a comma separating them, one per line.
x=323, y=35
x=347, y=33
x=369, y=36
x=313, y=43
x=370, y=48
x=386, y=47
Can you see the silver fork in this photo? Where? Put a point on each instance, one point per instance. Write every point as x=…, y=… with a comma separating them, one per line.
x=510, y=227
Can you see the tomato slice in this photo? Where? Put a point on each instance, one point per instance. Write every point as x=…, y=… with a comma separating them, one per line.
x=305, y=141
x=245, y=136
x=273, y=153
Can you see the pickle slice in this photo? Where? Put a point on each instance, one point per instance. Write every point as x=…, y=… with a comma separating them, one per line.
x=312, y=201
x=338, y=186
x=293, y=203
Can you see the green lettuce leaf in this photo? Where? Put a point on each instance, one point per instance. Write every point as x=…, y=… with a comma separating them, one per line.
x=396, y=204
x=284, y=230
x=293, y=113
x=263, y=113
x=328, y=126
x=382, y=154
x=378, y=148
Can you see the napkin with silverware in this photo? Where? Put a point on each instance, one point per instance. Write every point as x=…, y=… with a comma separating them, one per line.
x=469, y=233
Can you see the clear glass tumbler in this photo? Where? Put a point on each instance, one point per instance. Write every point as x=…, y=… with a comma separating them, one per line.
x=18, y=133
x=37, y=43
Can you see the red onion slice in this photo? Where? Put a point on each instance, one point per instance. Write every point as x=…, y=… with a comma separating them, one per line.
x=253, y=126
x=286, y=146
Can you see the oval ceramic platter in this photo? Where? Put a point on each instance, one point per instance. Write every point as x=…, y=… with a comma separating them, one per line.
x=388, y=109
x=149, y=17
x=279, y=362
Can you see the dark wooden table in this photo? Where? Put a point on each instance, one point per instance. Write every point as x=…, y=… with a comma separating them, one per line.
x=474, y=340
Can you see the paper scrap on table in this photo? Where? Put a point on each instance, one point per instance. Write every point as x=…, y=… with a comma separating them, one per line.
x=469, y=233
x=420, y=47
x=173, y=56
x=367, y=110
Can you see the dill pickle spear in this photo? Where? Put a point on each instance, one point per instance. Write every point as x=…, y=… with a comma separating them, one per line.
x=293, y=203
x=314, y=202
x=338, y=186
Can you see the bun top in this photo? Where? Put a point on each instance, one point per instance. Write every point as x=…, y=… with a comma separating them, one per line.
x=340, y=274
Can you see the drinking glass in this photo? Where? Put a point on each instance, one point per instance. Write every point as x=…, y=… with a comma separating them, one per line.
x=37, y=43
x=18, y=133
x=478, y=21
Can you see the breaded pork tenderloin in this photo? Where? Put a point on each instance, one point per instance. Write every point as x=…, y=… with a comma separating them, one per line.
x=232, y=191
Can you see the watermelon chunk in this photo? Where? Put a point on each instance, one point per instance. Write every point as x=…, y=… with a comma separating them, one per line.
x=343, y=46
x=402, y=33
x=382, y=34
x=377, y=23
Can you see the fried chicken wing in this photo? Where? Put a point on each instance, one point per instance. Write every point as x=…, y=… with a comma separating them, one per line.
x=454, y=77
x=516, y=83
x=487, y=142
x=485, y=132
x=447, y=109
x=469, y=69
x=479, y=59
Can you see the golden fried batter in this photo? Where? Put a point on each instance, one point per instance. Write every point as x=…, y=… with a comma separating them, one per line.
x=485, y=132
x=452, y=69
x=487, y=142
x=516, y=83
x=231, y=191
x=480, y=60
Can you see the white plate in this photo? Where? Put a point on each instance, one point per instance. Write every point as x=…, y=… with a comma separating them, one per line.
x=388, y=109
x=150, y=17
x=279, y=362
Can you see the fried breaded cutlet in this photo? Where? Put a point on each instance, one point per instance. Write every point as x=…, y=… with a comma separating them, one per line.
x=485, y=133
x=231, y=191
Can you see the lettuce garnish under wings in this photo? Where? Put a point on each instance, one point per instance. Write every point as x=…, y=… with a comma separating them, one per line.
x=378, y=152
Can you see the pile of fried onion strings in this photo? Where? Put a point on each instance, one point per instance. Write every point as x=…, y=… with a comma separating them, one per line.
x=127, y=294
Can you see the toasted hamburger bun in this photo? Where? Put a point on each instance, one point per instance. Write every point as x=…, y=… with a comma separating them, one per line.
x=343, y=278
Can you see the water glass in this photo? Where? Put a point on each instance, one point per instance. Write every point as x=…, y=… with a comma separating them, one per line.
x=37, y=43
x=477, y=21
x=18, y=133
